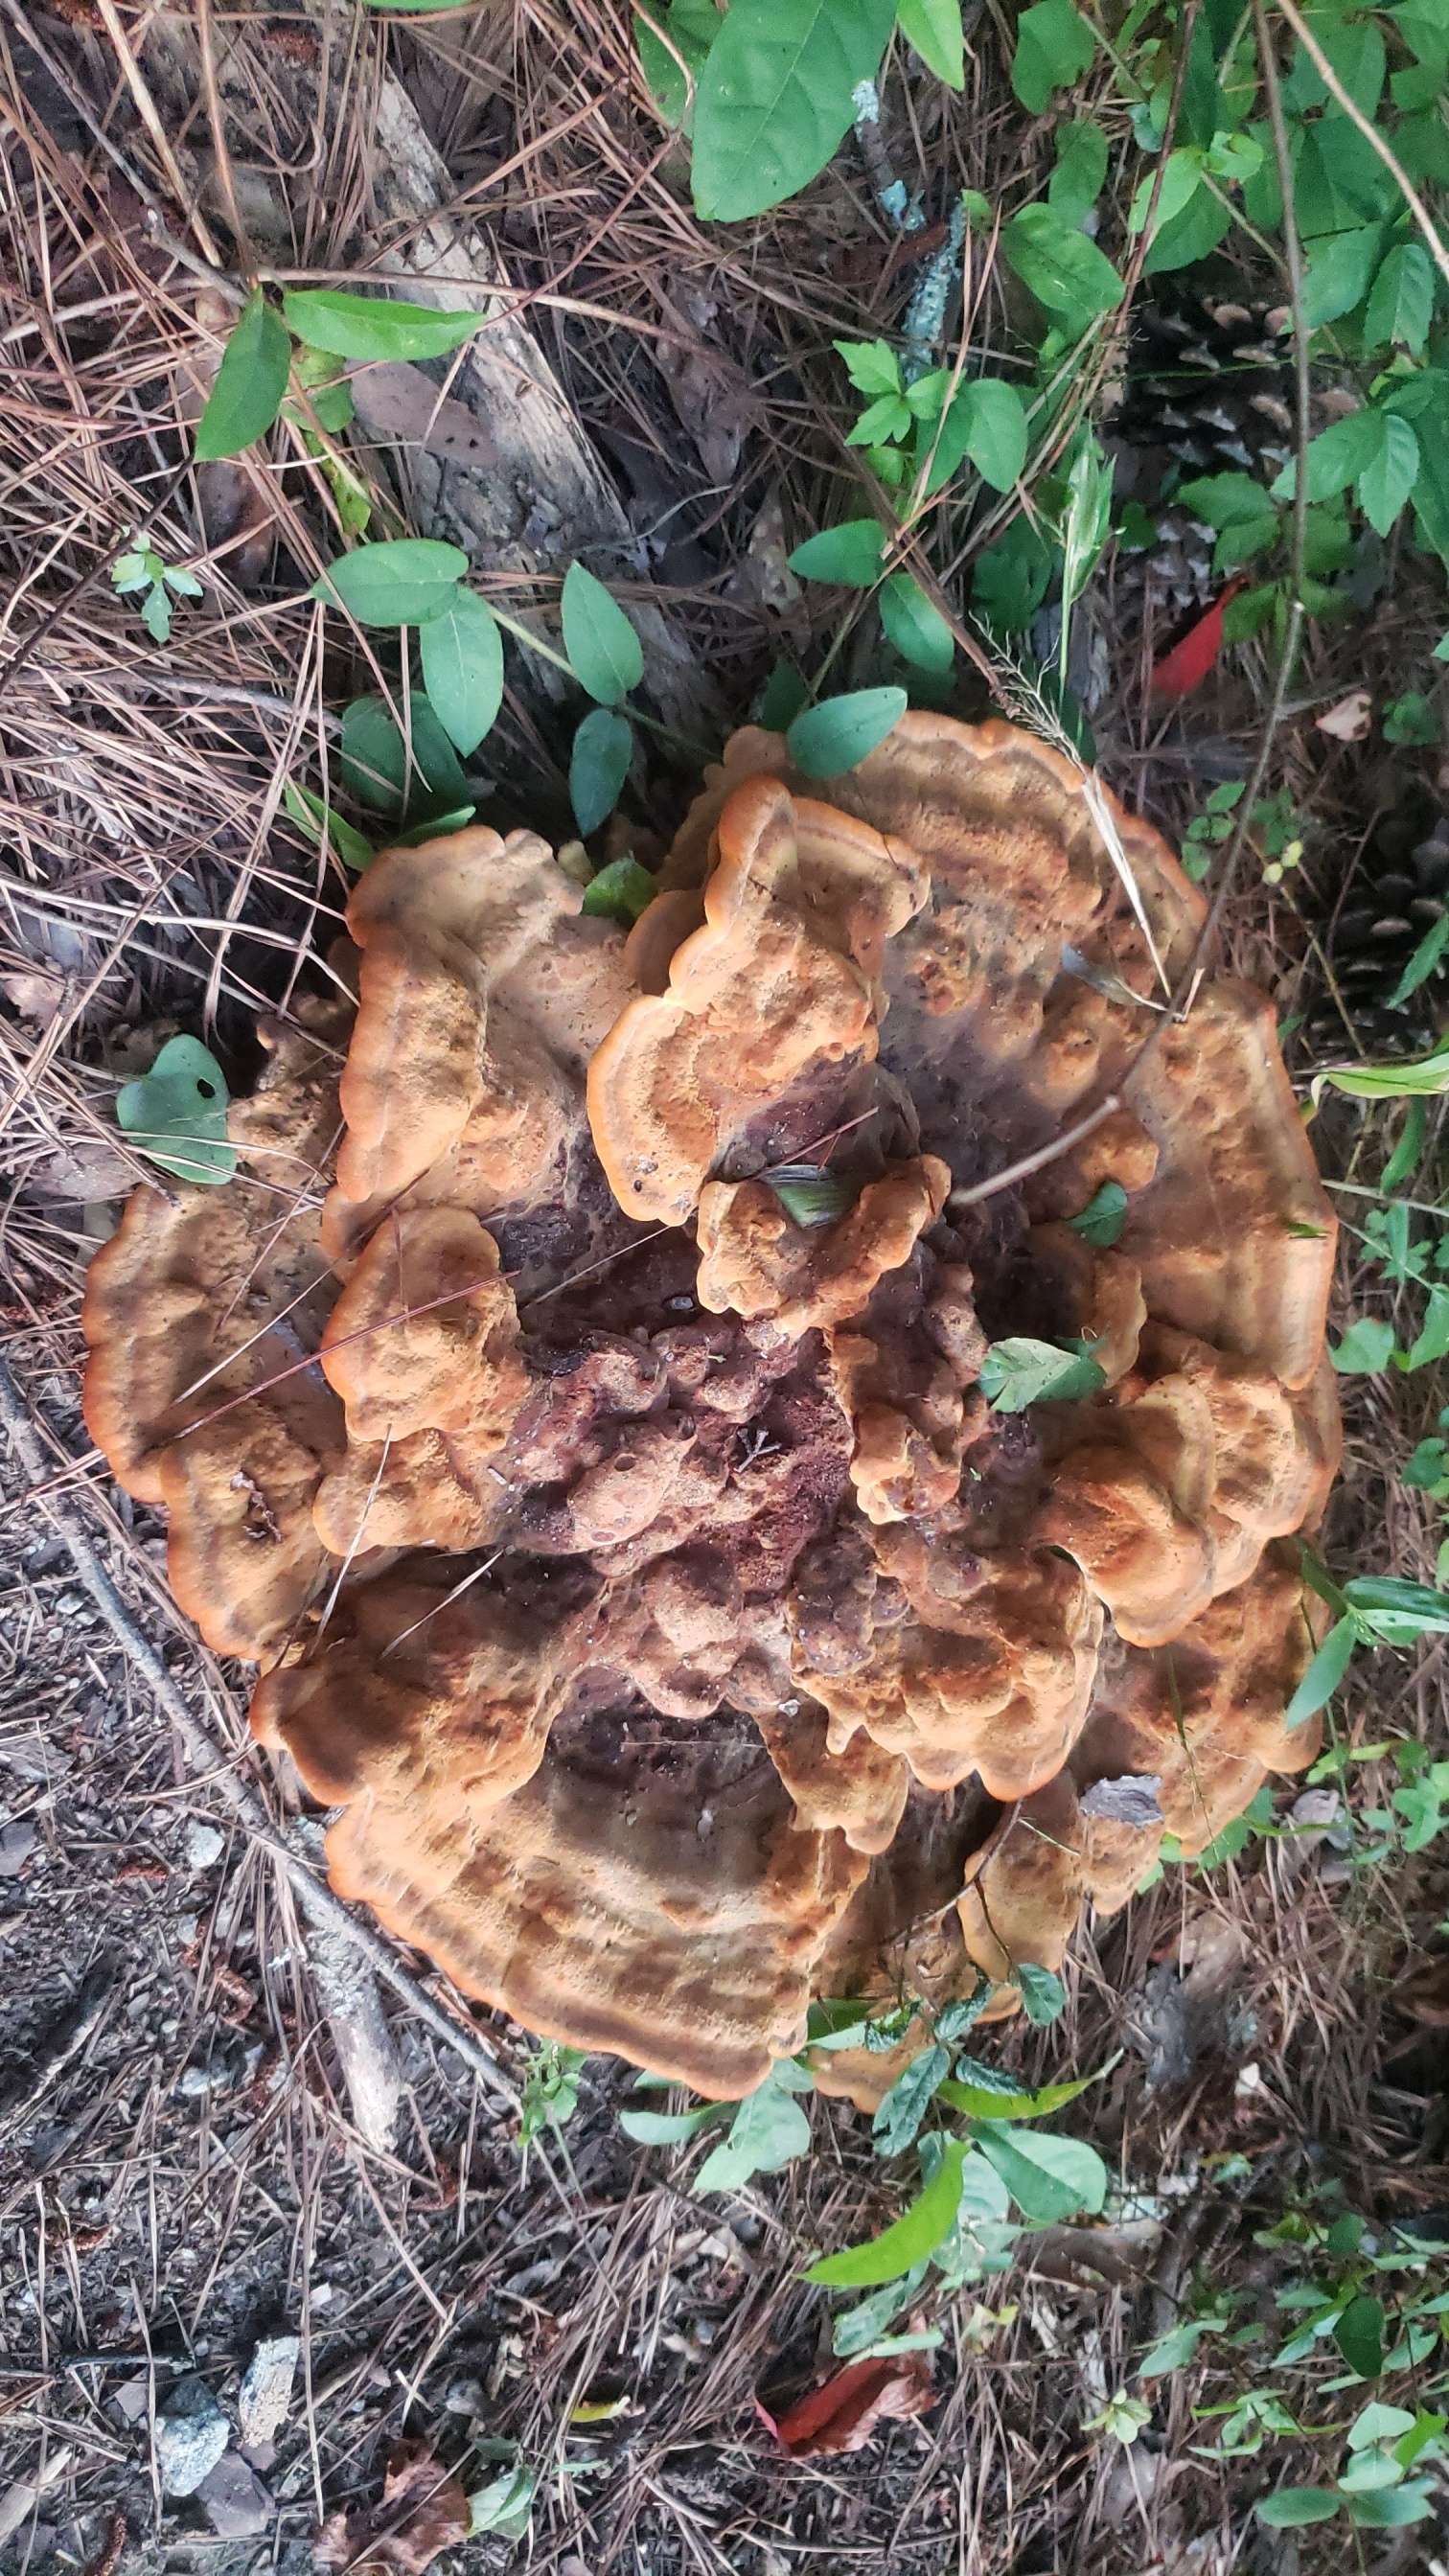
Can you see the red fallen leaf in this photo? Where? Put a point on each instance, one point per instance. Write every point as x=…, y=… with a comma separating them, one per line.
x=843, y=2414
x=423, y=2510
x=1188, y=664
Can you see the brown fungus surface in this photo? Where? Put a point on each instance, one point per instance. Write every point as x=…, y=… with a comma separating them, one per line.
x=623, y=1530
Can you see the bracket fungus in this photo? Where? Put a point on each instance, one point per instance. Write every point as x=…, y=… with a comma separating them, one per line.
x=620, y=1522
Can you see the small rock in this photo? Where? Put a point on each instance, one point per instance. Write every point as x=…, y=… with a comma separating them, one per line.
x=203, y=1845
x=17, y=1842
x=130, y=2398
x=191, y=2435
x=266, y=2389
x=235, y=2502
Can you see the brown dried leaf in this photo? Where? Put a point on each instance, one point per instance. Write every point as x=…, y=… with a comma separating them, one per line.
x=423, y=2510
x=843, y=2414
x=1349, y=720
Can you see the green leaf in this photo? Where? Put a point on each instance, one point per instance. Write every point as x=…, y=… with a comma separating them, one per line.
x=987, y=422
x=1193, y=233
x=156, y=613
x=1367, y=1346
x=1359, y=2335
x=1054, y=46
x=1064, y=271
x=1335, y=457
x=918, y=631
x=856, y=2329
x=620, y=892
x=669, y=2128
x=250, y=383
x=1081, y=170
x=505, y=2505
x=177, y=1113
x=1181, y=179
x=1012, y=578
x=1102, y=1219
x=1174, y=2350
x=775, y=97
x=399, y=583
x=872, y=365
x=1292, y=2507
x=319, y=822
x=1020, y=1371
x=1376, y=2422
x=1385, y=483
x=1324, y=1674
x=904, y=2107
x=1410, y=719
x=980, y=2102
x=1401, y=307
x=1394, y=2509
x=932, y=28
x=1049, y=2178
x=365, y=327
x=606, y=654
x=810, y=1195
x=920, y=2229
x=691, y=26
x=769, y=2130
x=462, y=653
x=375, y=765
x=1395, y=1609
x=889, y=417
x=1423, y=1076
x=598, y=767
x=1424, y=1468
x=1043, y=1996
x=781, y=699
x=850, y=554
x=831, y=738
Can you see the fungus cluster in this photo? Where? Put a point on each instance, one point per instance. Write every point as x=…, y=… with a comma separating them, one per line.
x=629, y=1548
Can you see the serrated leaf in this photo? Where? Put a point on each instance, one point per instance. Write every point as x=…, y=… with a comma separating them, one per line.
x=850, y=554
x=176, y=1113
x=598, y=766
x=932, y=28
x=915, y=2234
x=1102, y=1219
x=872, y=365
x=365, y=327
x=1339, y=268
x=1387, y=481
x=1324, y=1674
x=398, y=583
x=316, y=818
x=832, y=737
x=1054, y=46
x=250, y=383
x=620, y=892
x=1020, y=1371
x=776, y=96
x=1050, y=2179
x=1401, y=306
x=606, y=654
x=1064, y=271
x=1335, y=457
x=374, y=761
x=918, y=631
x=462, y=657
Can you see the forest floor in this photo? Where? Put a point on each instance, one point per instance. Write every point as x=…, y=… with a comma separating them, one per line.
x=183, y=2177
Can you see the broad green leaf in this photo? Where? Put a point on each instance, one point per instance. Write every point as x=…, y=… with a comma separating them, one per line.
x=462, y=652
x=1339, y=268
x=1081, y=170
x=620, y=892
x=317, y=819
x=1423, y=1076
x=1335, y=457
x=176, y=1113
x=1396, y=1609
x=435, y=827
x=250, y=383
x=872, y=365
x=954, y=2020
x=1064, y=271
x=980, y=2103
x=901, y=2110
x=1293, y=2507
x=933, y=30
x=850, y=554
x=1192, y=234
x=1020, y=1371
x=365, y=327
x=1054, y=46
x=1367, y=1346
x=1102, y=1219
x=399, y=583
x=598, y=766
x=987, y=422
x=1401, y=307
x=1043, y=1996
x=918, y=631
x=606, y=654
x=921, y=2228
x=1012, y=578
x=1410, y=718
x=1173, y=2350
x=1359, y=2335
x=669, y=2128
x=691, y=26
x=856, y=2329
x=375, y=765
x=505, y=2505
x=1385, y=483
x=831, y=738
x=890, y=417
x=769, y=2130
x=1181, y=179
x=1395, y=2509
x=776, y=95
x=782, y=697
x=1376, y=2422
x=1324, y=1674
x=1049, y=2178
